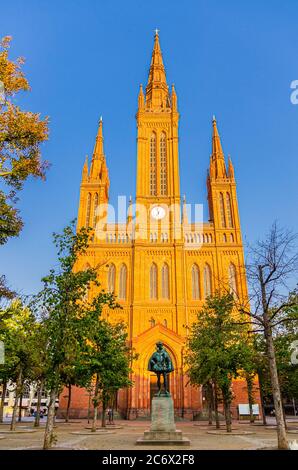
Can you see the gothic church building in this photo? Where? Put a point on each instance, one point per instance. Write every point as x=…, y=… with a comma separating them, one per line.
x=162, y=275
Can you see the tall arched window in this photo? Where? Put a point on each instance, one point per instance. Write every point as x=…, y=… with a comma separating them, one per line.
x=207, y=281
x=111, y=278
x=163, y=164
x=229, y=210
x=222, y=210
x=153, y=281
x=195, y=282
x=95, y=209
x=165, y=291
x=153, y=164
x=122, y=282
x=88, y=210
x=232, y=279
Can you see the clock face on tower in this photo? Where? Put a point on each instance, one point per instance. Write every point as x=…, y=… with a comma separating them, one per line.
x=158, y=213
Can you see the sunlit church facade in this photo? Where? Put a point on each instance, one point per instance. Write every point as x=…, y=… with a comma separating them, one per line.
x=160, y=265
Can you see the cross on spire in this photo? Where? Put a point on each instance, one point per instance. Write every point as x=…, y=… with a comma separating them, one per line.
x=156, y=31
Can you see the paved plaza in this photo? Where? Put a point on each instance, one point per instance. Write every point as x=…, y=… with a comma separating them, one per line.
x=75, y=435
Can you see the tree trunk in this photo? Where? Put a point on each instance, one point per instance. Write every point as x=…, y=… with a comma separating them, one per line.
x=216, y=406
x=16, y=400
x=279, y=414
x=280, y=421
x=89, y=406
x=210, y=402
x=262, y=398
x=228, y=416
x=20, y=407
x=68, y=403
x=284, y=415
x=249, y=384
x=95, y=405
x=38, y=404
x=49, y=432
x=4, y=388
x=94, y=420
x=104, y=407
x=227, y=398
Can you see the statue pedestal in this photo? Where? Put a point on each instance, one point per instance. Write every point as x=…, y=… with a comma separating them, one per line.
x=163, y=429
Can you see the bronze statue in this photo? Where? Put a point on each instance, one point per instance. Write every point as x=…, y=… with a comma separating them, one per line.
x=160, y=363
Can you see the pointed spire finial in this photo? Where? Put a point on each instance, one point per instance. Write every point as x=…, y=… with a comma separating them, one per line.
x=85, y=169
x=129, y=212
x=184, y=211
x=141, y=100
x=98, y=151
x=213, y=118
x=156, y=31
x=230, y=168
x=217, y=161
x=157, y=93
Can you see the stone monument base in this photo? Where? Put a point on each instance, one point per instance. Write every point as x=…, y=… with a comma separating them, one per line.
x=163, y=429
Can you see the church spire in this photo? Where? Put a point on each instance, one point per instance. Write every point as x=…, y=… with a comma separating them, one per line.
x=98, y=147
x=141, y=98
x=217, y=160
x=98, y=163
x=157, y=93
x=231, y=169
x=85, y=170
x=184, y=212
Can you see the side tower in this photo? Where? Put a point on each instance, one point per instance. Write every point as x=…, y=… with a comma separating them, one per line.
x=224, y=215
x=94, y=185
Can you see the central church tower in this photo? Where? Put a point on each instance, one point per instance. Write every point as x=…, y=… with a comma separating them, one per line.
x=157, y=140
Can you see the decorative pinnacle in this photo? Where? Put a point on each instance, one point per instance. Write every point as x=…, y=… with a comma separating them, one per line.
x=100, y=119
x=156, y=31
x=213, y=118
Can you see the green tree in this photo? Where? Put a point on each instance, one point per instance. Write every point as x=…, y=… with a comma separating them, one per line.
x=17, y=332
x=215, y=349
x=106, y=356
x=21, y=135
x=62, y=304
x=271, y=265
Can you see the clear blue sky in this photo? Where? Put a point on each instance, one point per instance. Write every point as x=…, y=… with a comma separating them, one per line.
x=86, y=58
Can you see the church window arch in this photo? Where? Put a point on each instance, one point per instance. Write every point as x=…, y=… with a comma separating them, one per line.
x=153, y=164
x=95, y=209
x=195, y=282
x=207, y=281
x=229, y=210
x=165, y=288
x=222, y=210
x=88, y=210
x=163, y=163
x=111, y=278
x=232, y=279
x=122, y=282
x=153, y=281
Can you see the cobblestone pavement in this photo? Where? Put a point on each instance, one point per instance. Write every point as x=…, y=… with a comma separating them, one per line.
x=126, y=436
